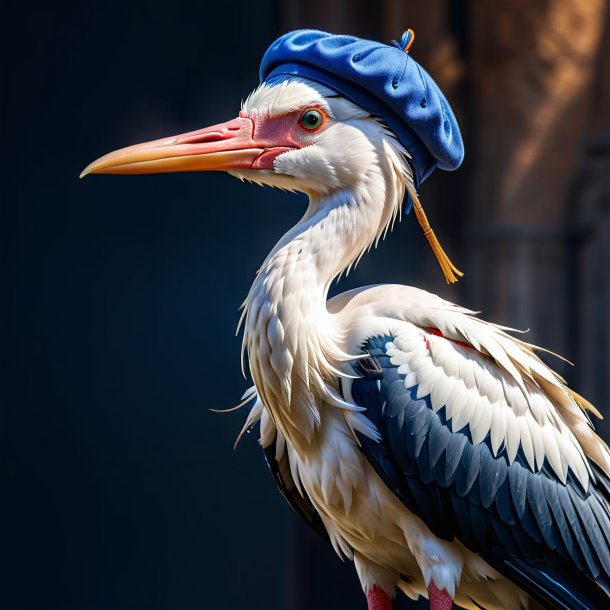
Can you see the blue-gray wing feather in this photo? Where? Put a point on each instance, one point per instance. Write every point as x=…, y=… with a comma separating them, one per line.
x=551, y=538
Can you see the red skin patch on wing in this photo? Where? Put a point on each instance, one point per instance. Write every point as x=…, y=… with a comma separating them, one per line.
x=438, y=333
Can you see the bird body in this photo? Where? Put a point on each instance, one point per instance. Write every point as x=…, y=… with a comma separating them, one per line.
x=435, y=449
x=363, y=517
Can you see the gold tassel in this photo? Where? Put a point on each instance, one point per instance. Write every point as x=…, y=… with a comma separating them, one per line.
x=450, y=271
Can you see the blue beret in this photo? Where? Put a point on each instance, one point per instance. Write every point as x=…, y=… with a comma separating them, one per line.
x=382, y=79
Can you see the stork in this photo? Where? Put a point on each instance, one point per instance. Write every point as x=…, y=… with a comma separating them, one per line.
x=436, y=450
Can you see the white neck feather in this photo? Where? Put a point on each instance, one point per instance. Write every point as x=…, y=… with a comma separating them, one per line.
x=290, y=337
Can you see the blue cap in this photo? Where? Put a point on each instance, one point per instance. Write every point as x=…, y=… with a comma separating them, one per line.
x=384, y=80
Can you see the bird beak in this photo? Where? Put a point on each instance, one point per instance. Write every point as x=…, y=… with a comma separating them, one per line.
x=225, y=146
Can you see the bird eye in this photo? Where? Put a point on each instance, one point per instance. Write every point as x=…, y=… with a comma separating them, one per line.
x=311, y=119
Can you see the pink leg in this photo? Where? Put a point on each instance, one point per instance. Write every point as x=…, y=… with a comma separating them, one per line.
x=378, y=599
x=439, y=598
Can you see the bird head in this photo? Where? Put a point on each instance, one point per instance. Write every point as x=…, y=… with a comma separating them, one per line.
x=317, y=124
x=296, y=135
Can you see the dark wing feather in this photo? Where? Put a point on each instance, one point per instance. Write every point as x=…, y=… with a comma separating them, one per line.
x=550, y=538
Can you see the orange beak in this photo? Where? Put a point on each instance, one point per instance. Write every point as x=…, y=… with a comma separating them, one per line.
x=225, y=146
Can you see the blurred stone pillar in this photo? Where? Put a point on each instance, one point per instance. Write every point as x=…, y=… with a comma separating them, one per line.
x=531, y=67
x=589, y=273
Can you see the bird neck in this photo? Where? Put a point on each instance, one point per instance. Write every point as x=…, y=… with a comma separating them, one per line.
x=332, y=235
x=291, y=338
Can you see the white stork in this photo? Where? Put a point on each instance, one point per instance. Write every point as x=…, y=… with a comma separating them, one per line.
x=434, y=449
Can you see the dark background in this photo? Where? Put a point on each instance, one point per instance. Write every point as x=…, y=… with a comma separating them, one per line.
x=120, y=295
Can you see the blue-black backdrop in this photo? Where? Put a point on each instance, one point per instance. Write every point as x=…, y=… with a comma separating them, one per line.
x=120, y=299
